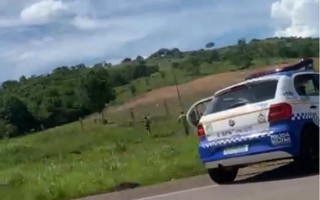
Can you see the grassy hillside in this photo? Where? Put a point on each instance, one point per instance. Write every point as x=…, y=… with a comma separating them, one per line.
x=263, y=52
x=69, y=161
x=68, y=93
x=157, y=81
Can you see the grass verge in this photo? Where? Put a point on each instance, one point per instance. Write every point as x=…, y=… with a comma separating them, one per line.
x=70, y=162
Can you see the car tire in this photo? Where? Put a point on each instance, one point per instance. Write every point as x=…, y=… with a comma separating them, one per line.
x=308, y=160
x=223, y=175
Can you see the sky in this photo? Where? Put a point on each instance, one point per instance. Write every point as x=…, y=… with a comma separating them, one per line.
x=37, y=36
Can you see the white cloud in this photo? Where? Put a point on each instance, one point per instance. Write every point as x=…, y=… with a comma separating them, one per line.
x=43, y=11
x=87, y=31
x=84, y=23
x=34, y=56
x=296, y=17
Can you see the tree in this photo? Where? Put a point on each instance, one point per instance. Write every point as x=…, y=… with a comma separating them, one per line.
x=118, y=78
x=126, y=60
x=194, y=61
x=265, y=51
x=80, y=66
x=210, y=45
x=162, y=74
x=7, y=130
x=215, y=56
x=242, y=43
x=283, y=51
x=52, y=92
x=240, y=55
x=10, y=85
x=192, y=70
x=63, y=69
x=98, y=65
x=175, y=52
x=139, y=58
x=108, y=65
x=97, y=89
x=305, y=52
x=175, y=65
x=245, y=61
x=192, y=66
x=146, y=81
x=133, y=89
x=140, y=71
x=160, y=53
x=286, y=52
x=16, y=115
x=22, y=79
x=142, y=62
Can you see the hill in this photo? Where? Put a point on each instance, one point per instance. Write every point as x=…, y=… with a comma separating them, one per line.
x=207, y=84
x=68, y=93
x=156, y=102
x=57, y=163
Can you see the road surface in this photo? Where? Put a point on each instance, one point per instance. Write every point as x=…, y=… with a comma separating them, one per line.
x=267, y=182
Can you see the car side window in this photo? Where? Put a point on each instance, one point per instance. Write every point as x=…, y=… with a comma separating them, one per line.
x=316, y=81
x=307, y=84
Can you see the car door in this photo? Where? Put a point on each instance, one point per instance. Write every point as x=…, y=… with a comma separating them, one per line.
x=307, y=87
x=196, y=111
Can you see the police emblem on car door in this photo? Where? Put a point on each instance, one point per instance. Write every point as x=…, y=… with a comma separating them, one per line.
x=232, y=122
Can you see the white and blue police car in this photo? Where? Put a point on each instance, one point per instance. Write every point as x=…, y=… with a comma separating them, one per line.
x=272, y=115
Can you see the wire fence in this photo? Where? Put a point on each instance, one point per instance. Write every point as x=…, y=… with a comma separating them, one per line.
x=163, y=115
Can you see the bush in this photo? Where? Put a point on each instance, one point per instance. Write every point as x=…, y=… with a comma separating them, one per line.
x=7, y=130
x=17, y=180
x=121, y=146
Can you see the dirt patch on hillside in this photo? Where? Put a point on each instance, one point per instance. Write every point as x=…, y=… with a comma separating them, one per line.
x=201, y=85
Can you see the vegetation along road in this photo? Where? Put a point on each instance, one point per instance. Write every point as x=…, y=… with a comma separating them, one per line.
x=266, y=181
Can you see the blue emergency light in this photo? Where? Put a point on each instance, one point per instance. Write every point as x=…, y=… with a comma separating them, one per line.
x=303, y=64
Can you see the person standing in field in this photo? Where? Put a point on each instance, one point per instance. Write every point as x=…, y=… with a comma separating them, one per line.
x=183, y=118
x=147, y=124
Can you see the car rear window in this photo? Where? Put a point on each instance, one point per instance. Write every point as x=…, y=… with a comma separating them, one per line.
x=307, y=84
x=248, y=93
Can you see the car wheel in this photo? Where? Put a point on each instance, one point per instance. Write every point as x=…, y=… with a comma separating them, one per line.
x=309, y=151
x=223, y=175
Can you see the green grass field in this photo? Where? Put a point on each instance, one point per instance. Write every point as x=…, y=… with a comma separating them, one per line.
x=69, y=161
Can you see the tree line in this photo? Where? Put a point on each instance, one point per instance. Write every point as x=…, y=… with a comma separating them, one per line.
x=244, y=53
x=65, y=95
x=68, y=93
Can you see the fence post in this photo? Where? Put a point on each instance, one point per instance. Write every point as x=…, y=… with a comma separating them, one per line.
x=166, y=108
x=132, y=115
x=81, y=122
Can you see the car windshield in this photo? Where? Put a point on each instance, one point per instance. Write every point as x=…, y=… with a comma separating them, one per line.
x=252, y=92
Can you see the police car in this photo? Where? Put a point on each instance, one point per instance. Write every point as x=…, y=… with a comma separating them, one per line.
x=272, y=115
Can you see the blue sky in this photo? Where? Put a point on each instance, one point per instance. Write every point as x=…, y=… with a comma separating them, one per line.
x=37, y=36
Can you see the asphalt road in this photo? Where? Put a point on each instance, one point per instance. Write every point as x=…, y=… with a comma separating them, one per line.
x=272, y=181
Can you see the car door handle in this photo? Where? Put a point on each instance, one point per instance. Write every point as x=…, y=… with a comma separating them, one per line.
x=313, y=107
